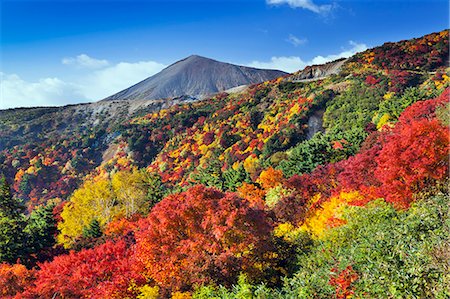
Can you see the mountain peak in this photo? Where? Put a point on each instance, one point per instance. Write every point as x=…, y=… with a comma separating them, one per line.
x=195, y=56
x=195, y=76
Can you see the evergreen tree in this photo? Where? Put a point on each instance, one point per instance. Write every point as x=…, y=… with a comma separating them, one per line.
x=41, y=229
x=156, y=190
x=8, y=205
x=210, y=175
x=234, y=178
x=12, y=223
x=93, y=230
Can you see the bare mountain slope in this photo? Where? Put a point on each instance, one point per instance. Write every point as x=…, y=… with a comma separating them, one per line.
x=320, y=71
x=194, y=76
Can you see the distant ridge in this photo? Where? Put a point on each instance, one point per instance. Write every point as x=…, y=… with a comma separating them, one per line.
x=194, y=76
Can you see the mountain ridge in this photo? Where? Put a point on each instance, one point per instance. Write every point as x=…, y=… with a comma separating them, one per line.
x=210, y=76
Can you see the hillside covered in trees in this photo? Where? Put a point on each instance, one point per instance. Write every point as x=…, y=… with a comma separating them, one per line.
x=329, y=188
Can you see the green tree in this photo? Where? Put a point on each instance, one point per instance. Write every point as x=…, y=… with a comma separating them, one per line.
x=12, y=223
x=321, y=149
x=234, y=178
x=395, y=254
x=354, y=108
x=41, y=229
x=156, y=190
x=210, y=174
x=93, y=230
x=9, y=206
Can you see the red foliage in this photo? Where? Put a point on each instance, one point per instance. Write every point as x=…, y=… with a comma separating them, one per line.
x=208, y=138
x=371, y=80
x=399, y=80
x=358, y=172
x=291, y=208
x=201, y=236
x=343, y=281
x=102, y=272
x=411, y=157
x=425, y=53
x=391, y=164
x=415, y=152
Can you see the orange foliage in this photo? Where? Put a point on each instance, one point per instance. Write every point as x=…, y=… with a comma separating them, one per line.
x=14, y=279
x=270, y=178
x=122, y=226
x=251, y=193
x=342, y=281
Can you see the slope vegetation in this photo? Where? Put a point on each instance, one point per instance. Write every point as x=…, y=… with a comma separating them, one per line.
x=229, y=198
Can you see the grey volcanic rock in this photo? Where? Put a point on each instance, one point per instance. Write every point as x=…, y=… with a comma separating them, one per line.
x=320, y=71
x=194, y=76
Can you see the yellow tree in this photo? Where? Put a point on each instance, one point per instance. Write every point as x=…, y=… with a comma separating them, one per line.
x=130, y=189
x=103, y=199
x=93, y=200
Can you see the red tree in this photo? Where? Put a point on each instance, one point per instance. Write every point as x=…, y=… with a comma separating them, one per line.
x=201, y=236
x=102, y=272
x=415, y=153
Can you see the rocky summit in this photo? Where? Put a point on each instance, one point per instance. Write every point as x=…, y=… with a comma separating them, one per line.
x=194, y=76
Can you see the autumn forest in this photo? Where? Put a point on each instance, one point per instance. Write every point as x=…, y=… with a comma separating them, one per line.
x=327, y=188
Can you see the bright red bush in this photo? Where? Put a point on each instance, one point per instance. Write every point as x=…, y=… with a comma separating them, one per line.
x=358, y=172
x=342, y=281
x=102, y=272
x=201, y=236
x=414, y=154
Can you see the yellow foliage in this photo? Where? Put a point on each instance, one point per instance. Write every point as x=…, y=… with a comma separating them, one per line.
x=148, y=292
x=122, y=161
x=31, y=170
x=251, y=164
x=103, y=199
x=288, y=232
x=329, y=214
x=236, y=165
x=275, y=194
x=130, y=190
x=442, y=83
x=388, y=95
x=94, y=200
x=383, y=120
x=181, y=295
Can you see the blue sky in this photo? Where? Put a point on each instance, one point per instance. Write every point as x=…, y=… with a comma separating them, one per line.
x=66, y=51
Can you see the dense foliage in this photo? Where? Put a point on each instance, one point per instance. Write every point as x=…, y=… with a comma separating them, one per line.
x=243, y=195
x=202, y=236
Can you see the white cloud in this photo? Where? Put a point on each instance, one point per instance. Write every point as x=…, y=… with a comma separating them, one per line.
x=293, y=63
x=92, y=85
x=344, y=54
x=16, y=92
x=305, y=4
x=103, y=83
x=287, y=64
x=296, y=41
x=84, y=61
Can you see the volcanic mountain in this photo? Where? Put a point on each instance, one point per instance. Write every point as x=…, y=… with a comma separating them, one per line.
x=194, y=76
